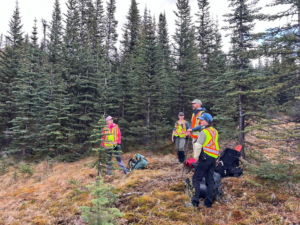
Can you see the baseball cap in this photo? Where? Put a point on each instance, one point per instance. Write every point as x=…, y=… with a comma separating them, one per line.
x=181, y=114
x=207, y=117
x=197, y=101
x=109, y=118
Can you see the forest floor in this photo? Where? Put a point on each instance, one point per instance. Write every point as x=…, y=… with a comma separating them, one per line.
x=151, y=196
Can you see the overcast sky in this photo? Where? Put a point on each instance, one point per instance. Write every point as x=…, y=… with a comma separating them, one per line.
x=39, y=9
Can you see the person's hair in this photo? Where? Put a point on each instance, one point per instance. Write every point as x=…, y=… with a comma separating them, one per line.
x=210, y=124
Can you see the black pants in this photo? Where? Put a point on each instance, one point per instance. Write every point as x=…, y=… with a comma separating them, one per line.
x=206, y=167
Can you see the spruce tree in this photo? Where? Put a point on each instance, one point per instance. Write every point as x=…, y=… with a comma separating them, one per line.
x=185, y=52
x=204, y=32
x=30, y=97
x=111, y=28
x=57, y=129
x=9, y=68
x=240, y=77
x=165, y=62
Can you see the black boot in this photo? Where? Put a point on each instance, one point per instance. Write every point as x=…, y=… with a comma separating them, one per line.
x=181, y=156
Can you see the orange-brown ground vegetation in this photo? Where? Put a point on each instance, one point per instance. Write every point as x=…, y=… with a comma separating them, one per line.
x=151, y=196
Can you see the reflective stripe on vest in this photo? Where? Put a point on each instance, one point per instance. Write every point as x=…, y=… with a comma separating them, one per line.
x=196, y=122
x=180, y=131
x=211, y=146
x=111, y=137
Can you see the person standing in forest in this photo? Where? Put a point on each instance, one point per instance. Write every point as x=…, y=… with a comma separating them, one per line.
x=112, y=141
x=195, y=126
x=206, y=153
x=179, y=133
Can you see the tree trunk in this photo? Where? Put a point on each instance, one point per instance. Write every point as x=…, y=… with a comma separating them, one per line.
x=241, y=102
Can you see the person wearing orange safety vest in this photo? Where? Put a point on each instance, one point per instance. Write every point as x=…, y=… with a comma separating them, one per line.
x=206, y=154
x=195, y=126
x=179, y=132
x=112, y=141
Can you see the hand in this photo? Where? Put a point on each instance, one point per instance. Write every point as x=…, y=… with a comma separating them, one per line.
x=189, y=130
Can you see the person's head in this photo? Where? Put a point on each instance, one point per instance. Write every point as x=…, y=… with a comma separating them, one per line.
x=206, y=120
x=109, y=120
x=181, y=115
x=196, y=104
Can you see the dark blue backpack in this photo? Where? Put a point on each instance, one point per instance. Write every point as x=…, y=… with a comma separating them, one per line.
x=138, y=162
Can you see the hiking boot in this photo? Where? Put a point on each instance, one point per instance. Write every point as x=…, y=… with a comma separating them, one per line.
x=203, y=204
x=189, y=205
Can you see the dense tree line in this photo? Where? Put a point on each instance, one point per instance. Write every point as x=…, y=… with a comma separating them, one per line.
x=53, y=93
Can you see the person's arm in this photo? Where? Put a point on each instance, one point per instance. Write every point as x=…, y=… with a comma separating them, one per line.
x=197, y=128
x=173, y=136
x=199, y=144
x=173, y=131
x=119, y=135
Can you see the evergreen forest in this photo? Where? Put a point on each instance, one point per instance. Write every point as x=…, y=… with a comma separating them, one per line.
x=56, y=85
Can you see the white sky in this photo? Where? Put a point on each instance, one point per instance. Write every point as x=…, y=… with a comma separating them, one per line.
x=39, y=9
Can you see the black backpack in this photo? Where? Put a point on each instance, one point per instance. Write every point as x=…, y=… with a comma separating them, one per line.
x=218, y=193
x=229, y=162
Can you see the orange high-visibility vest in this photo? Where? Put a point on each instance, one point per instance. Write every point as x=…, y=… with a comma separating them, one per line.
x=111, y=137
x=211, y=145
x=180, y=130
x=195, y=123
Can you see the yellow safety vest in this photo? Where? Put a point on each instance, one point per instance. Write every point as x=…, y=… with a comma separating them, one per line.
x=211, y=146
x=179, y=130
x=111, y=136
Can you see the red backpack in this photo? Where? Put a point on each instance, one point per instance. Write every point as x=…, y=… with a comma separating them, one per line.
x=189, y=162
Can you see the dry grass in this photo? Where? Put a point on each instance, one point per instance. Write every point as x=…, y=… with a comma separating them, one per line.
x=49, y=198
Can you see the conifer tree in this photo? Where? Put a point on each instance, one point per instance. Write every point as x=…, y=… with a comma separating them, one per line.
x=148, y=105
x=57, y=129
x=204, y=35
x=111, y=28
x=30, y=96
x=102, y=211
x=283, y=42
x=214, y=69
x=71, y=64
x=240, y=76
x=128, y=46
x=185, y=52
x=9, y=68
x=165, y=62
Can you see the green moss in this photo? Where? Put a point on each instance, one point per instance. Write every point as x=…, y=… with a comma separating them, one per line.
x=144, y=200
x=174, y=215
x=133, y=217
x=133, y=184
x=177, y=187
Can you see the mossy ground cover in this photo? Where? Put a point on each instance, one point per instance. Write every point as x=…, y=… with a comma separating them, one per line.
x=152, y=196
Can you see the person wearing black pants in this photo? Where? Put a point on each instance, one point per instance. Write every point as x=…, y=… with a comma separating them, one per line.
x=206, y=154
x=206, y=168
